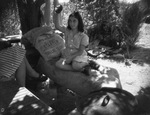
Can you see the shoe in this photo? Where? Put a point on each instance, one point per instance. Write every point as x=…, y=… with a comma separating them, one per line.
x=41, y=78
x=94, y=65
x=86, y=70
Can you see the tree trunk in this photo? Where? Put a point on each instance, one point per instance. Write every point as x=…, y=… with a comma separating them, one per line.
x=30, y=15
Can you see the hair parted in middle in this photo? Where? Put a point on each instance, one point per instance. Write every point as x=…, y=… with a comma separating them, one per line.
x=77, y=15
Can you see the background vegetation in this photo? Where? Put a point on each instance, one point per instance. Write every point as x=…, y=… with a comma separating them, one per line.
x=9, y=18
x=122, y=19
x=111, y=22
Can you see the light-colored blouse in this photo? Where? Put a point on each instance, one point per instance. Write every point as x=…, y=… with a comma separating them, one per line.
x=73, y=42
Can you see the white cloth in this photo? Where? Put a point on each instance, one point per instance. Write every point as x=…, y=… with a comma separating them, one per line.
x=49, y=45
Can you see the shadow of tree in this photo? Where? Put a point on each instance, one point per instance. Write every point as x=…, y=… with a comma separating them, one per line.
x=7, y=92
x=28, y=106
x=143, y=98
x=138, y=55
x=16, y=100
x=141, y=55
x=65, y=101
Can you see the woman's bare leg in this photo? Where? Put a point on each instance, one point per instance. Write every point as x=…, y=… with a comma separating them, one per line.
x=21, y=74
x=30, y=71
x=62, y=65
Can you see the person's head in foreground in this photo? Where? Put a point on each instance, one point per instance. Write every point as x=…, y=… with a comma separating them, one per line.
x=107, y=101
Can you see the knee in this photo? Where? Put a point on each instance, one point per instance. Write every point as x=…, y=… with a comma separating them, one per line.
x=59, y=63
x=78, y=65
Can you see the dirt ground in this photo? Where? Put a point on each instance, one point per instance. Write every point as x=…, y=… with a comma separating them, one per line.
x=134, y=75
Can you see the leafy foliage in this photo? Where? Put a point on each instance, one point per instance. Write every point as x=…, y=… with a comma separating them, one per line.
x=113, y=23
x=9, y=19
x=131, y=20
x=106, y=17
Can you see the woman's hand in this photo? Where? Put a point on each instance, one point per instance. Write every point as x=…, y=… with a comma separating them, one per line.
x=68, y=60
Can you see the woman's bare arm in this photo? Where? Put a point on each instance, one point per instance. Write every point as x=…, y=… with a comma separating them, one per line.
x=57, y=19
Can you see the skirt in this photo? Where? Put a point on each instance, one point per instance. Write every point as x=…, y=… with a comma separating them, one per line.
x=10, y=60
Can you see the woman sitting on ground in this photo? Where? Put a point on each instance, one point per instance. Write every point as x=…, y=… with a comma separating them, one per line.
x=74, y=56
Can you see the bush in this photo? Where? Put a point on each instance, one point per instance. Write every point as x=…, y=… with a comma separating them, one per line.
x=131, y=21
x=123, y=19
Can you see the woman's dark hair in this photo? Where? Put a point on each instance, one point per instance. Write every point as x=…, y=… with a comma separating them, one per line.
x=77, y=15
